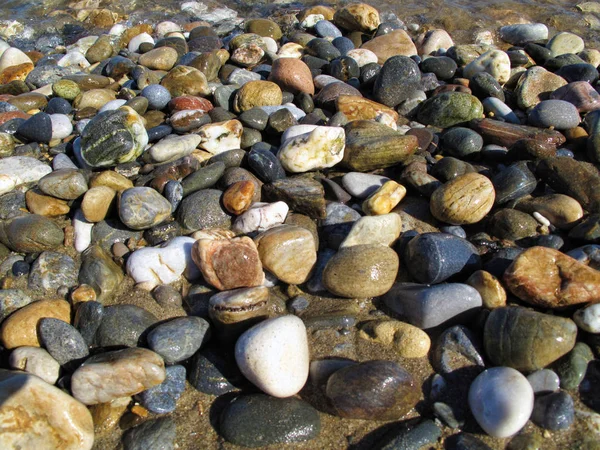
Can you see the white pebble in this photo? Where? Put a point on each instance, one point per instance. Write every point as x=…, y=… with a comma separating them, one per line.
x=296, y=112
x=82, y=230
x=588, y=319
x=136, y=41
x=361, y=185
x=321, y=148
x=544, y=381
x=270, y=44
x=311, y=20
x=13, y=57
x=74, y=58
x=541, y=219
x=362, y=56
x=172, y=148
x=117, y=29
x=36, y=361
x=61, y=126
x=62, y=161
x=494, y=62
x=261, y=217
x=296, y=130
x=221, y=136
x=166, y=27
x=112, y=105
x=18, y=170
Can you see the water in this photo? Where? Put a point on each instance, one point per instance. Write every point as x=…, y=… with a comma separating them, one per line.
x=461, y=18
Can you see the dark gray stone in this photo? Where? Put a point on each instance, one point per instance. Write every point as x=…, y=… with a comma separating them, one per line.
x=215, y=372
x=178, y=339
x=513, y=182
x=124, y=325
x=426, y=433
x=87, y=320
x=203, y=210
x=203, y=178
x=38, y=128
x=398, y=78
x=157, y=434
x=110, y=231
x=63, y=341
x=554, y=411
x=12, y=204
x=462, y=142
x=457, y=348
x=31, y=234
x=265, y=165
x=443, y=67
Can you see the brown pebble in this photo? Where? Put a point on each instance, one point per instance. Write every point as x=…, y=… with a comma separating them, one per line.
x=84, y=293
x=238, y=197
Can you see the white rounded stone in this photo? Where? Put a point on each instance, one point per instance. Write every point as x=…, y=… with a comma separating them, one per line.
x=36, y=361
x=18, y=170
x=166, y=27
x=221, y=136
x=261, y=217
x=112, y=105
x=270, y=44
x=311, y=20
x=74, y=58
x=361, y=185
x=117, y=29
x=494, y=62
x=274, y=355
x=565, y=42
x=136, y=41
x=291, y=50
x=82, y=229
x=3, y=46
x=61, y=126
x=501, y=400
x=520, y=33
x=173, y=147
x=588, y=319
x=13, y=57
x=434, y=40
x=321, y=148
x=296, y=112
x=544, y=381
x=362, y=56
x=83, y=44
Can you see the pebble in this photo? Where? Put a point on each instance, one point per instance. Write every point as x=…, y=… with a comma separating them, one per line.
x=588, y=318
x=179, y=338
x=493, y=294
x=163, y=398
x=544, y=381
x=565, y=42
x=383, y=229
x=142, y=207
x=159, y=433
x=534, y=85
x=35, y=361
x=273, y=355
x=522, y=33
x=87, y=320
x=55, y=419
x=384, y=199
x=462, y=142
x=261, y=217
x=361, y=185
x=554, y=411
x=425, y=433
x=215, y=373
x=559, y=114
x=64, y=343
x=202, y=210
x=321, y=148
x=123, y=325
x=449, y=108
x=398, y=78
x=52, y=270
x=501, y=399
x=457, y=350
x=494, y=62
x=572, y=367
x=407, y=340
x=100, y=272
x=16, y=171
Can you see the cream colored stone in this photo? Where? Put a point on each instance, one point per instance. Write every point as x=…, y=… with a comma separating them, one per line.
x=97, y=203
x=36, y=361
x=494, y=62
x=384, y=229
x=489, y=287
x=111, y=179
x=320, y=148
x=384, y=199
x=219, y=137
x=397, y=42
x=408, y=340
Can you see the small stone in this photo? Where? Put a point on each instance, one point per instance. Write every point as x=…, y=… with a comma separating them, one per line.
x=264, y=355
x=579, y=93
x=202, y=210
x=163, y=398
x=157, y=433
x=559, y=114
x=292, y=75
x=173, y=147
x=45, y=205
x=572, y=367
x=221, y=136
x=161, y=58
x=87, y=320
x=359, y=108
x=373, y=390
x=535, y=85
x=554, y=411
x=66, y=184
x=185, y=80
x=62, y=340
x=361, y=185
x=407, y=340
x=501, y=399
x=383, y=229
x=238, y=197
x=449, y=108
x=35, y=361
x=384, y=199
x=523, y=33
x=257, y=94
x=16, y=171
x=588, y=318
x=123, y=325
x=398, y=79
x=265, y=164
x=178, y=339
x=97, y=202
x=543, y=381
x=513, y=182
x=303, y=195
x=142, y=207
x=320, y=148
x=489, y=287
x=52, y=270
x=203, y=178
x=261, y=217
x=12, y=300
x=462, y=142
x=565, y=42
x=494, y=62
x=457, y=351
x=99, y=271
x=116, y=374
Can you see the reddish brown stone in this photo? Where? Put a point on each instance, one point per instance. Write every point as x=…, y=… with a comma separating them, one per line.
x=581, y=94
x=184, y=102
x=292, y=75
x=548, y=278
x=507, y=134
x=6, y=116
x=238, y=197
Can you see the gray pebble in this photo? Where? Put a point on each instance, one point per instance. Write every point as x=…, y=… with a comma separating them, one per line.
x=62, y=340
x=178, y=339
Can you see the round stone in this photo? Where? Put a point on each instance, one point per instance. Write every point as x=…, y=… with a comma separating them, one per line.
x=462, y=142
x=158, y=96
x=202, y=210
x=178, y=339
x=560, y=114
x=554, y=411
x=257, y=94
x=142, y=207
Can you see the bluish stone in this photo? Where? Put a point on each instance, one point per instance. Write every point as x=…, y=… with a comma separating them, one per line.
x=162, y=399
x=52, y=270
x=315, y=284
x=427, y=306
x=173, y=192
x=178, y=339
x=20, y=268
x=62, y=340
x=156, y=434
x=542, y=240
x=456, y=349
x=58, y=105
x=559, y=114
x=514, y=182
x=554, y=411
x=462, y=142
x=456, y=230
x=578, y=72
x=572, y=367
x=325, y=29
x=265, y=165
x=484, y=85
x=434, y=257
x=158, y=132
x=7, y=107
x=38, y=128
x=322, y=48
x=214, y=372
x=543, y=381
x=203, y=210
x=87, y=320
x=158, y=96
x=343, y=44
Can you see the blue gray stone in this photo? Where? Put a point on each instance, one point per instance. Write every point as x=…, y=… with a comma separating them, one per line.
x=11, y=300
x=424, y=434
x=178, y=339
x=265, y=165
x=63, y=341
x=38, y=128
x=203, y=178
x=143, y=207
x=202, y=210
x=559, y=114
x=52, y=270
x=461, y=142
x=513, y=182
x=397, y=80
x=156, y=434
x=456, y=349
x=554, y=411
x=158, y=96
x=325, y=29
x=124, y=325
x=543, y=381
x=87, y=320
x=523, y=33
x=162, y=399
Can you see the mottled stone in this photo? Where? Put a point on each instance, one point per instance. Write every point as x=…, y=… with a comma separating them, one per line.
x=156, y=433
x=123, y=325
x=302, y=195
x=536, y=85
x=52, y=270
x=143, y=207
x=292, y=75
x=449, y=108
x=62, y=340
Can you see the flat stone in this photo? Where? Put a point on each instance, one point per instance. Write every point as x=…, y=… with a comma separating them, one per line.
x=45, y=205
x=361, y=185
x=536, y=85
x=449, y=108
x=565, y=42
x=11, y=300
x=554, y=411
x=407, y=340
x=156, y=433
x=559, y=114
x=19, y=170
x=524, y=32
x=384, y=199
x=302, y=195
x=579, y=93
x=260, y=217
x=508, y=134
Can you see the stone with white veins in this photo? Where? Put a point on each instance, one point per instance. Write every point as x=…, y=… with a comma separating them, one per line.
x=261, y=217
x=16, y=171
x=501, y=399
x=172, y=148
x=321, y=148
x=82, y=230
x=494, y=62
x=383, y=229
x=36, y=361
x=151, y=266
x=588, y=319
x=115, y=374
x=274, y=355
x=221, y=136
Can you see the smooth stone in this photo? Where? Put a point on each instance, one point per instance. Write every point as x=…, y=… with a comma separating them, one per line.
x=548, y=278
x=384, y=199
x=16, y=171
x=523, y=33
x=11, y=204
x=256, y=420
x=466, y=441
x=588, y=318
x=87, y=320
x=264, y=355
x=12, y=300
x=359, y=108
x=256, y=94
x=214, y=372
x=178, y=339
x=38, y=128
x=429, y=306
x=292, y=75
x=219, y=137
x=461, y=142
x=457, y=351
x=493, y=294
x=572, y=367
x=202, y=210
x=443, y=67
x=535, y=85
x=397, y=80
x=182, y=80
x=384, y=230
x=156, y=433
x=407, y=340
x=578, y=71
x=20, y=328
x=397, y=42
x=261, y=217
x=565, y=42
x=527, y=340
x=554, y=411
x=559, y=114
x=513, y=182
x=66, y=184
x=494, y=62
x=426, y=433
x=52, y=270
x=544, y=381
x=163, y=398
x=434, y=257
x=374, y=390
x=99, y=271
x=303, y=195
x=321, y=148
x=97, y=202
x=82, y=231
x=361, y=271
x=449, y=108
x=61, y=126
x=265, y=164
x=362, y=185
x=501, y=399
x=124, y=325
x=49, y=417
x=142, y=207
x=203, y=178
x=62, y=340
x=434, y=41
x=485, y=86
x=173, y=147
x=237, y=198
x=35, y=361
x=288, y=252
x=581, y=94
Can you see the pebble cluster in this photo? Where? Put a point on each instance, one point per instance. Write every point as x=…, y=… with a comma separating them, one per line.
x=268, y=185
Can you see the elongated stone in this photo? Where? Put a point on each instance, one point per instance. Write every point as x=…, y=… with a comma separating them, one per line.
x=359, y=108
x=507, y=134
x=302, y=194
x=321, y=148
x=449, y=109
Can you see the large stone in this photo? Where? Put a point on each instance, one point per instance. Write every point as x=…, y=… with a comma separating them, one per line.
x=255, y=94
x=449, y=108
x=143, y=207
x=124, y=325
x=66, y=184
x=357, y=17
x=52, y=270
x=32, y=234
x=397, y=42
x=397, y=81
x=35, y=414
x=320, y=148
x=292, y=75
x=99, y=271
x=536, y=85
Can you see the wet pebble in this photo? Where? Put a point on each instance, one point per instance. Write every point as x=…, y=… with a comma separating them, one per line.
x=163, y=398
x=159, y=433
x=178, y=339
x=62, y=341
x=554, y=411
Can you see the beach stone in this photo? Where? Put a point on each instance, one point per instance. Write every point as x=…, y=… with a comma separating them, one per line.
x=449, y=108
x=45, y=205
x=35, y=361
x=555, y=280
x=62, y=340
x=397, y=80
x=163, y=398
x=527, y=340
x=256, y=94
x=256, y=420
x=185, y=80
x=463, y=200
x=572, y=367
x=292, y=75
x=97, y=203
x=432, y=41
x=535, y=85
x=111, y=179
x=443, y=67
x=565, y=42
x=16, y=171
x=178, y=339
x=156, y=433
x=523, y=33
x=394, y=43
x=501, y=399
x=543, y=381
x=49, y=417
x=52, y=270
x=493, y=294
x=494, y=62
x=123, y=325
x=66, y=184
x=263, y=354
x=374, y=390
x=580, y=93
x=361, y=185
x=559, y=114
x=423, y=434
x=238, y=197
x=357, y=17
x=461, y=142
x=483, y=85
x=261, y=217
x=87, y=320
x=219, y=137
x=588, y=318
x=361, y=271
x=429, y=306
x=512, y=225
x=321, y=148
x=142, y=207
x=114, y=374
x=99, y=271
x=359, y=108
x=434, y=257
x=202, y=210
x=11, y=300
x=265, y=164
x=38, y=128
x=384, y=230
x=113, y=137
x=407, y=340
x=578, y=71
x=203, y=178
x=554, y=411
x=20, y=328
x=302, y=195
x=161, y=58
x=215, y=373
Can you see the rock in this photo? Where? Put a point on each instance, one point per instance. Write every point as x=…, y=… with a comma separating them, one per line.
x=501, y=399
x=99, y=271
x=489, y=287
x=257, y=94
x=16, y=171
x=407, y=340
x=434, y=257
x=221, y=136
x=124, y=325
x=113, y=137
x=302, y=194
x=62, y=340
x=361, y=185
x=256, y=420
x=543, y=381
x=494, y=62
x=554, y=411
x=32, y=233
x=185, y=80
x=292, y=75
x=238, y=197
x=35, y=361
x=462, y=142
x=579, y=93
x=374, y=390
x=142, y=207
x=559, y=114
x=97, y=202
x=457, y=351
x=536, y=85
x=173, y=148
x=588, y=318
x=398, y=79
x=426, y=433
x=215, y=373
x=429, y=306
x=20, y=328
x=11, y=300
x=163, y=398
x=288, y=252
x=156, y=433
x=514, y=182
x=565, y=42
x=52, y=270
x=202, y=210
x=434, y=40
x=464, y=200
x=38, y=128
x=361, y=271
x=203, y=178
x=264, y=355
x=161, y=58
x=527, y=340
x=111, y=375
x=178, y=339
x=397, y=42
x=49, y=418
x=508, y=134
x=357, y=17
x=88, y=319
x=383, y=229
x=321, y=148
x=572, y=367
x=554, y=280
x=449, y=108
x=261, y=217
x=359, y=108
x=384, y=199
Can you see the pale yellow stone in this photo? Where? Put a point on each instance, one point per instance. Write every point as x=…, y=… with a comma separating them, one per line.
x=111, y=179
x=97, y=203
x=94, y=98
x=489, y=287
x=561, y=210
x=384, y=199
x=408, y=340
x=106, y=415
